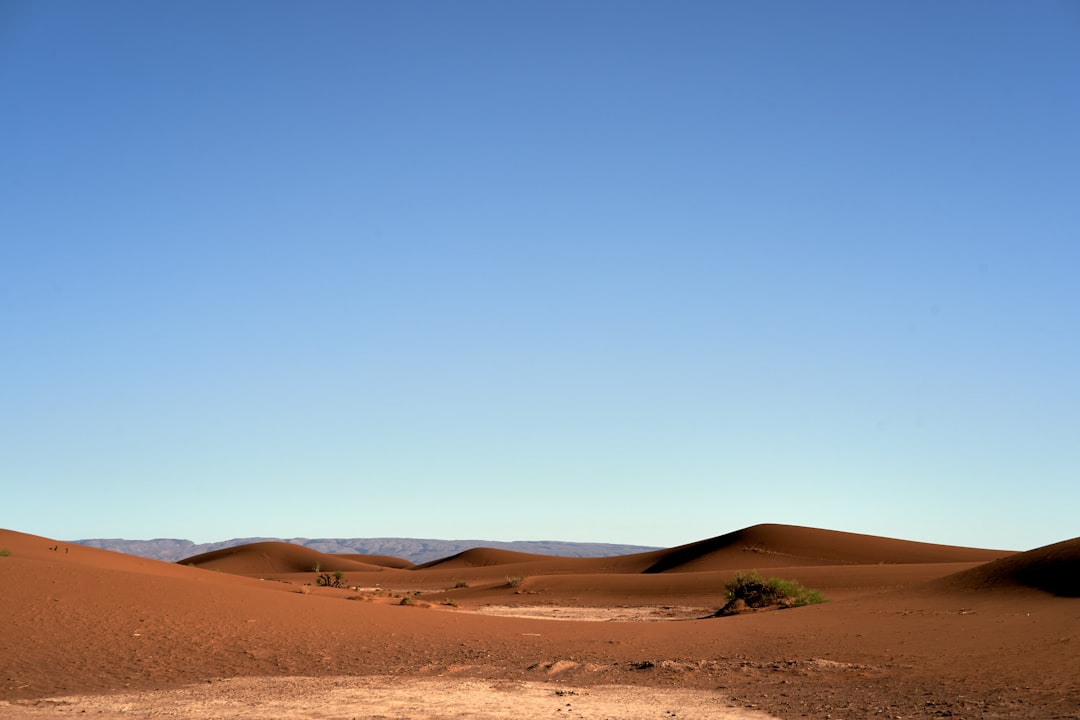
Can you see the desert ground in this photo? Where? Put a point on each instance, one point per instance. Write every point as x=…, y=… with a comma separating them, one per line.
x=910, y=630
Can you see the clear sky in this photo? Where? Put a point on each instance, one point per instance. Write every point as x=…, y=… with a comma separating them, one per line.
x=641, y=272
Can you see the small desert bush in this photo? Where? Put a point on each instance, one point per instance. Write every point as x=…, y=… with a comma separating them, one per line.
x=451, y=602
x=514, y=580
x=5, y=553
x=752, y=591
x=335, y=580
x=461, y=584
x=406, y=601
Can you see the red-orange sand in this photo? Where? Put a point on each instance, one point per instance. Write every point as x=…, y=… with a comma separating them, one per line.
x=911, y=630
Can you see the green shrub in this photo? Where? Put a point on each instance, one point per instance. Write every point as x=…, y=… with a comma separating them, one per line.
x=407, y=601
x=751, y=591
x=451, y=602
x=5, y=553
x=336, y=580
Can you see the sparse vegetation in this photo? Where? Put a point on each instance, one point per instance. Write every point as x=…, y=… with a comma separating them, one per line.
x=407, y=600
x=451, y=602
x=514, y=580
x=751, y=591
x=334, y=580
x=461, y=584
x=5, y=553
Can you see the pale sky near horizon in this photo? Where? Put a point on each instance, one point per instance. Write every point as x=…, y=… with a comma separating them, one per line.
x=636, y=272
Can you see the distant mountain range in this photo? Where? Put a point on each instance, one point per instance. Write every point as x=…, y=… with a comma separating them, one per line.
x=412, y=549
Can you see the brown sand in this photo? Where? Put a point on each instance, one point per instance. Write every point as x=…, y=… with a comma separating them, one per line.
x=912, y=630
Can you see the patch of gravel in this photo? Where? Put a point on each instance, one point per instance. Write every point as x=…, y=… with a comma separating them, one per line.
x=385, y=698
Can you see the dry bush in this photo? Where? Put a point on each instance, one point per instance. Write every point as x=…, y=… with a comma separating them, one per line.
x=751, y=591
x=335, y=580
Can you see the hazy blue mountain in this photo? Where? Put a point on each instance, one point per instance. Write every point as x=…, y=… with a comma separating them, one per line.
x=416, y=550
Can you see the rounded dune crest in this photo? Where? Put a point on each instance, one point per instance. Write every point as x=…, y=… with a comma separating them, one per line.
x=387, y=561
x=272, y=558
x=1052, y=568
x=772, y=545
x=482, y=557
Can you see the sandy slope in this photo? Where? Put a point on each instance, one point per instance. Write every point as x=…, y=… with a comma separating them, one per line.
x=913, y=630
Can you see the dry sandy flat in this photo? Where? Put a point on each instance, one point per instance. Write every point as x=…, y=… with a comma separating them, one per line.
x=911, y=630
x=391, y=698
x=623, y=613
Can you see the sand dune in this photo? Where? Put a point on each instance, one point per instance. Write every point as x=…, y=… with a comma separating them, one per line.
x=386, y=561
x=912, y=630
x=485, y=557
x=268, y=558
x=760, y=546
x=1054, y=569
x=786, y=545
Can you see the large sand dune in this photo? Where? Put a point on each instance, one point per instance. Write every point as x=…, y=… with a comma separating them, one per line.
x=275, y=558
x=1054, y=569
x=786, y=546
x=912, y=630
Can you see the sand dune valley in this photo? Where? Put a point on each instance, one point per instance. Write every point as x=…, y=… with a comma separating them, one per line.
x=909, y=630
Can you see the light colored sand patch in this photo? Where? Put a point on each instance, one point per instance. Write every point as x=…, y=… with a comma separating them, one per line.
x=386, y=698
x=636, y=613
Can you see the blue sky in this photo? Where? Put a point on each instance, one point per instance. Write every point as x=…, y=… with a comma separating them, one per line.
x=602, y=271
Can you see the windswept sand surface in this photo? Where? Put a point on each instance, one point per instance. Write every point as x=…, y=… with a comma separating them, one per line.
x=912, y=630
